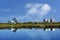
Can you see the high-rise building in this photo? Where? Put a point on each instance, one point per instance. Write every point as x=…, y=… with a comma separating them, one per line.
x=52, y=20
x=45, y=20
x=48, y=20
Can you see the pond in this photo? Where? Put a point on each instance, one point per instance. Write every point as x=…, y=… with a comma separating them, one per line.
x=29, y=34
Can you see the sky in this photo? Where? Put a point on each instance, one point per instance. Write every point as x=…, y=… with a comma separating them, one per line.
x=29, y=10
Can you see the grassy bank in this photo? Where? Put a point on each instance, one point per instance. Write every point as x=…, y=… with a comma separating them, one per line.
x=30, y=25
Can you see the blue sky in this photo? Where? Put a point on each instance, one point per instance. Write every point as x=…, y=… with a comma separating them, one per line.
x=29, y=10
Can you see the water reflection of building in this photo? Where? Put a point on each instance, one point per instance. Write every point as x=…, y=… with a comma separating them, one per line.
x=13, y=29
x=48, y=20
x=49, y=29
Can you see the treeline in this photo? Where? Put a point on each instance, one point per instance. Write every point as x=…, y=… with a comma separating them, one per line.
x=32, y=23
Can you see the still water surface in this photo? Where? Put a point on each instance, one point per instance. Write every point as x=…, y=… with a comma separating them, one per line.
x=30, y=34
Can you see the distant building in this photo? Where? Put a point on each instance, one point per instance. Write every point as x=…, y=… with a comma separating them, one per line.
x=13, y=21
x=48, y=20
x=52, y=20
x=44, y=20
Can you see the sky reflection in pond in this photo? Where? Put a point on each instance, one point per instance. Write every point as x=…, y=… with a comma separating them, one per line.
x=30, y=34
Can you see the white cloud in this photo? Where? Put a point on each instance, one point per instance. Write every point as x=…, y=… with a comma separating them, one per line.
x=28, y=5
x=45, y=9
x=6, y=10
x=38, y=8
x=37, y=11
